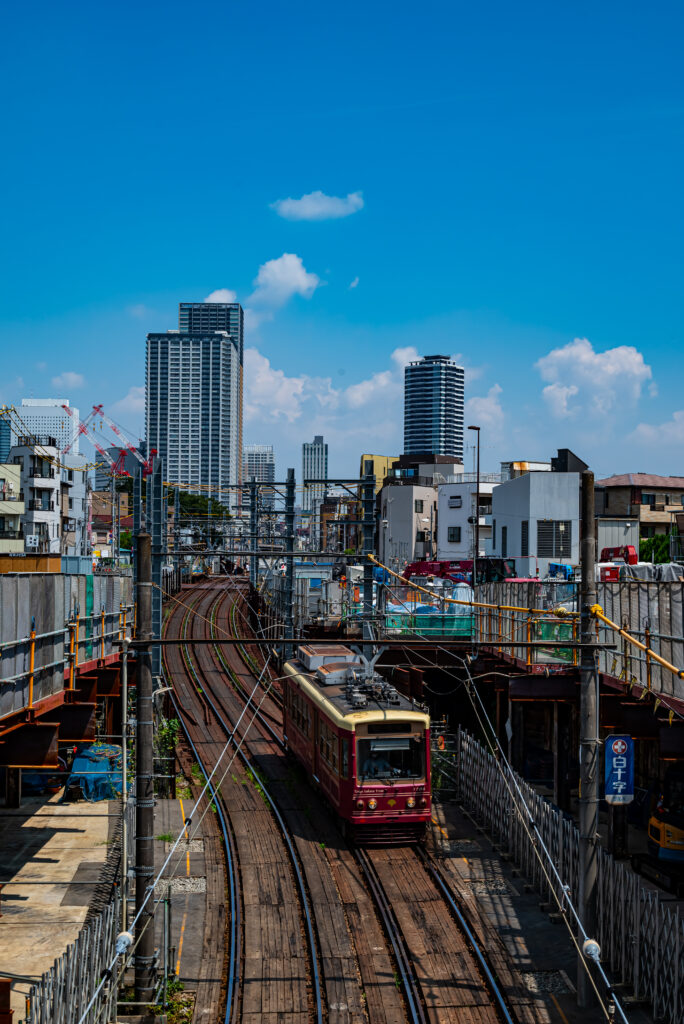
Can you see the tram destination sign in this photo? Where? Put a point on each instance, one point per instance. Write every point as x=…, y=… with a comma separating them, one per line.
x=619, y=769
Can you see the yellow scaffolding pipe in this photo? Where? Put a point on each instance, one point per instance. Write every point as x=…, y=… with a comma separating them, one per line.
x=597, y=612
x=476, y=604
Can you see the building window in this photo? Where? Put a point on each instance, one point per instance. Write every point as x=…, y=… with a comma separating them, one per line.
x=554, y=538
x=525, y=538
x=493, y=534
x=455, y=501
x=420, y=536
x=607, y=501
x=454, y=534
x=504, y=541
x=648, y=499
x=417, y=505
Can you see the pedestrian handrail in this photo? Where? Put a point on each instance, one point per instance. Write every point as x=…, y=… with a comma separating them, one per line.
x=640, y=935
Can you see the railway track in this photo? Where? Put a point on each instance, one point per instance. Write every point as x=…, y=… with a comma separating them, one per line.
x=276, y=971
x=439, y=970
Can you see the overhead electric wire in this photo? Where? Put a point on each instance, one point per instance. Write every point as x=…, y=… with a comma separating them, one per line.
x=530, y=827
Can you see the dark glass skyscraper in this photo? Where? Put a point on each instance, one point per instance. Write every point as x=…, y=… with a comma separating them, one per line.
x=207, y=317
x=434, y=388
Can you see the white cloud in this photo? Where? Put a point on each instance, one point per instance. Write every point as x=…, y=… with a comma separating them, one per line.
x=132, y=404
x=221, y=295
x=318, y=206
x=669, y=433
x=486, y=412
x=67, y=380
x=401, y=357
x=279, y=279
x=269, y=393
x=556, y=397
x=596, y=380
x=354, y=283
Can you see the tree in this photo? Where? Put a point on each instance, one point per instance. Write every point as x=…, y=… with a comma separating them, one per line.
x=126, y=541
x=655, y=549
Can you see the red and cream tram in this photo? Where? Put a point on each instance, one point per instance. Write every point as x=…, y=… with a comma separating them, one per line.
x=364, y=744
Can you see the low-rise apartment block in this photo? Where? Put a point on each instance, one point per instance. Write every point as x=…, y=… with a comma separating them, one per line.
x=11, y=510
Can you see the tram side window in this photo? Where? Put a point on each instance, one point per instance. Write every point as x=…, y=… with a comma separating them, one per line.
x=300, y=713
x=344, y=747
x=327, y=744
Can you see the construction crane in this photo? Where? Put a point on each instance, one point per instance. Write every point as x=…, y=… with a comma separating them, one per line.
x=116, y=466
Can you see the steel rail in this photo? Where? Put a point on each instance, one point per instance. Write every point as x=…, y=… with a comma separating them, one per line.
x=308, y=917
x=235, y=949
x=409, y=982
x=435, y=873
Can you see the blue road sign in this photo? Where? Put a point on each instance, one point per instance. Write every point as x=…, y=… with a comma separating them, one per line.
x=619, y=773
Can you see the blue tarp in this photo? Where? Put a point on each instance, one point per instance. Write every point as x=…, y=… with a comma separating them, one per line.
x=97, y=770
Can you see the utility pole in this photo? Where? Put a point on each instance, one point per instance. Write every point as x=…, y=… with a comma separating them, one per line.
x=176, y=526
x=288, y=617
x=253, y=530
x=124, y=788
x=476, y=552
x=144, y=780
x=368, y=532
x=589, y=745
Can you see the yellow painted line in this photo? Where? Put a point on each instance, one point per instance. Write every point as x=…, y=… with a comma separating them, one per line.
x=185, y=913
x=180, y=944
x=442, y=830
x=557, y=1005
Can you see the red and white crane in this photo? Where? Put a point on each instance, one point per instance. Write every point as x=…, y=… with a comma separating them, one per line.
x=117, y=466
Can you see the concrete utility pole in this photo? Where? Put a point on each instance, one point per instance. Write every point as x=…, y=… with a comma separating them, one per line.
x=124, y=788
x=289, y=562
x=368, y=531
x=589, y=747
x=144, y=780
x=476, y=551
x=253, y=530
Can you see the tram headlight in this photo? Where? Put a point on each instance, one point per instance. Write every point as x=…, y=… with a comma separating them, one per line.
x=422, y=801
x=411, y=802
x=359, y=805
x=372, y=804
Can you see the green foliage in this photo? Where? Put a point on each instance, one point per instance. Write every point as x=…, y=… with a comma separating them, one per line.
x=655, y=549
x=167, y=736
x=126, y=541
x=165, y=837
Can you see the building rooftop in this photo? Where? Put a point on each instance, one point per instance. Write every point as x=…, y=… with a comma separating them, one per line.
x=643, y=480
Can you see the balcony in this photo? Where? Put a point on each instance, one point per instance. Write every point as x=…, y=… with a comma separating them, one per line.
x=34, y=505
x=11, y=534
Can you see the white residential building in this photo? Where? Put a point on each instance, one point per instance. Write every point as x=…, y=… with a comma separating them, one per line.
x=74, y=506
x=535, y=520
x=408, y=523
x=456, y=516
x=47, y=417
x=38, y=459
x=11, y=510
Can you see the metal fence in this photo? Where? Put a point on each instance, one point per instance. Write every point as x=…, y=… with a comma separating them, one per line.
x=63, y=992
x=640, y=934
x=653, y=612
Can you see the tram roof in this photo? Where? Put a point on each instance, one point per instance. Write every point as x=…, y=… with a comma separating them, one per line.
x=333, y=701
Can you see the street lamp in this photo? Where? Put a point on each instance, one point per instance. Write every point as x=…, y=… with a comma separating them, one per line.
x=477, y=509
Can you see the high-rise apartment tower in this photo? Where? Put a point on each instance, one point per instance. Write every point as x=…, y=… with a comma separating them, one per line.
x=434, y=388
x=193, y=403
x=258, y=461
x=315, y=467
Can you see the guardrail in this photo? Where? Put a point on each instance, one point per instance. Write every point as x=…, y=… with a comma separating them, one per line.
x=641, y=936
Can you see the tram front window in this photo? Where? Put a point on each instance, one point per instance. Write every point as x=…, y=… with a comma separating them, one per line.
x=400, y=757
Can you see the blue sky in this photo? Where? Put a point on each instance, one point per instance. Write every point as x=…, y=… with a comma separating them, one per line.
x=520, y=206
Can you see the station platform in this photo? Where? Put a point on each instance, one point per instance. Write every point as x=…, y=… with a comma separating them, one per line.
x=538, y=947
x=53, y=856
